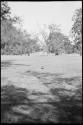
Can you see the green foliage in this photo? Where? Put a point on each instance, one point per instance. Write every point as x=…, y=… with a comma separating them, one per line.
x=77, y=19
x=13, y=40
x=54, y=28
x=6, y=13
x=77, y=30
x=57, y=42
x=68, y=47
x=5, y=10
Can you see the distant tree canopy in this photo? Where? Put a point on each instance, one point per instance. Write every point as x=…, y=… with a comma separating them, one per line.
x=13, y=40
x=77, y=30
x=16, y=41
x=56, y=41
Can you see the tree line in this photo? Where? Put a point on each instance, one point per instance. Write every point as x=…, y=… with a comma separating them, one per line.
x=16, y=42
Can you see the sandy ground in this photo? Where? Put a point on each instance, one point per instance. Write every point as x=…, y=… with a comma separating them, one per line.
x=22, y=69
x=42, y=76
x=65, y=64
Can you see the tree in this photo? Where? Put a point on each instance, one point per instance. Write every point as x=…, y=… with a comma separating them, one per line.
x=32, y=42
x=54, y=28
x=9, y=33
x=77, y=29
x=68, y=47
x=13, y=40
x=10, y=36
x=46, y=36
x=5, y=10
x=56, y=40
x=6, y=13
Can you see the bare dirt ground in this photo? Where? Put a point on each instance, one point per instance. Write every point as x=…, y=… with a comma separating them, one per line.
x=40, y=88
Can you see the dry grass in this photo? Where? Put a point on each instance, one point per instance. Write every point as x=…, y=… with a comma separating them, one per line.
x=41, y=95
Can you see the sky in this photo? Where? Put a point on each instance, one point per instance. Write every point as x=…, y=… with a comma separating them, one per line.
x=36, y=14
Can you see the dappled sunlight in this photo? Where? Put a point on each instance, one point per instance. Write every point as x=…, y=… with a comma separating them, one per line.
x=41, y=71
x=59, y=105
x=39, y=96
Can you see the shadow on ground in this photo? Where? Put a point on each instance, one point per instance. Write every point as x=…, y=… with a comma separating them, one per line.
x=16, y=107
x=6, y=64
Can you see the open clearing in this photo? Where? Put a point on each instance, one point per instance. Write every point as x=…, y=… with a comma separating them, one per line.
x=46, y=79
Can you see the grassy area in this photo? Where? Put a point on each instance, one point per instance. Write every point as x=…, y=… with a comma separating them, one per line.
x=41, y=89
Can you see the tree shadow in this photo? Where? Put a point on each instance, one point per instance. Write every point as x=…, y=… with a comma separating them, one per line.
x=70, y=104
x=11, y=97
x=21, y=65
x=6, y=64
x=16, y=107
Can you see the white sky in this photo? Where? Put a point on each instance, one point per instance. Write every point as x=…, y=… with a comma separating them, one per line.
x=35, y=14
